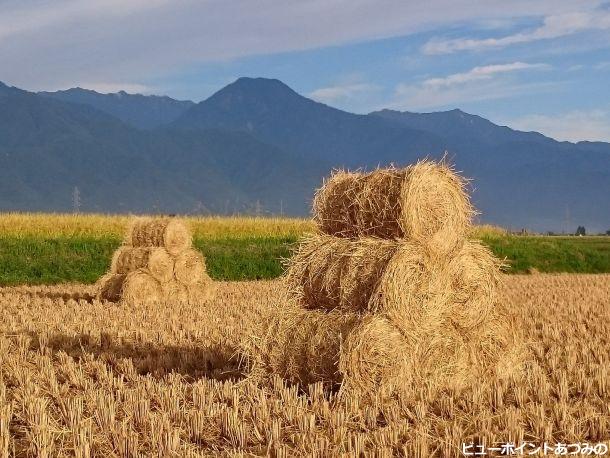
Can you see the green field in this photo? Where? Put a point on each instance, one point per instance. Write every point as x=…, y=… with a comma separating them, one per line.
x=35, y=259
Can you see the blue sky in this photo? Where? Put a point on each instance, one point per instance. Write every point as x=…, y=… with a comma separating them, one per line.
x=532, y=65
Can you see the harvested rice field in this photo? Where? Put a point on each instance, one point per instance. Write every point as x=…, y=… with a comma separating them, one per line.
x=80, y=377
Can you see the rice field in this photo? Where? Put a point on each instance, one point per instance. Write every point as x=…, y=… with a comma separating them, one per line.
x=79, y=377
x=57, y=225
x=91, y=225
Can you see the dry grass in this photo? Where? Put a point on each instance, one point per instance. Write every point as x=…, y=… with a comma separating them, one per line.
x=95, y=225
x=78, y=376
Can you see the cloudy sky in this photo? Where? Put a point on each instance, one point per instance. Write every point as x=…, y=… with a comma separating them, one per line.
x=530, y=64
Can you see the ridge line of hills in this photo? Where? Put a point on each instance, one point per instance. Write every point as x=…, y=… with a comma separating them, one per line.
x=257, y=146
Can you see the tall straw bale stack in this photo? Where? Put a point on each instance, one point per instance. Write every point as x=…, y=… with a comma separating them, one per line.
x=155, y=260
x=172, y=234
x=425, y=202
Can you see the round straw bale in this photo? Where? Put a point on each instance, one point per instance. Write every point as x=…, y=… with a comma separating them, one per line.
x=330, y=272
x=474, y=273
x=141, y=287
x=302, y=346
x=111, y=287
x=201, y=292
x=413, y=292
x=496, y=346
x=373, y=356
x=425, y=202
x=172, y=234
x=190, y=267
x=156, y=260
x=441, y=359
x=334, y=205
x=175, y=293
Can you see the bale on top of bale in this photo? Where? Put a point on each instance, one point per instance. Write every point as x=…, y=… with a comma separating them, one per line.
x=391, y=294
x=423, y=202
x=157, y=263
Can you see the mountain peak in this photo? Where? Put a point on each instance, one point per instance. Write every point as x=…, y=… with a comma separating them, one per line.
x=261, y=87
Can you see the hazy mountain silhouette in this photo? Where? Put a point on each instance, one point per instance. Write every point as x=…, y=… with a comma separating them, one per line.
x=48, y=147
x=256, y=143
x=145, y=112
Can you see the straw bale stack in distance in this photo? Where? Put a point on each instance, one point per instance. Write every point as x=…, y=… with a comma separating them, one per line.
x=156, y=263
x=425, y=202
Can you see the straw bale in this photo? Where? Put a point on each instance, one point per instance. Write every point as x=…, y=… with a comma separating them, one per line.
x=190, y=268
x=141, y=287
x=302, y=346
x=330, y=272
x=374, y=355
x=425, y=202
x=111, y=287
x=474, y=273
x=157, y=261
x=172, y=234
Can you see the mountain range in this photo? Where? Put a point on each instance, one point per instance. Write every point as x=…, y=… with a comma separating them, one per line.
x=258, y=147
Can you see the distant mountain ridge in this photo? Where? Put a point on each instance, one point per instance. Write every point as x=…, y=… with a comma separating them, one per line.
x=256, y=145
x=142, y=111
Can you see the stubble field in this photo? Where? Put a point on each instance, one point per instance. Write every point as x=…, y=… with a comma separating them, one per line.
x=79, y=377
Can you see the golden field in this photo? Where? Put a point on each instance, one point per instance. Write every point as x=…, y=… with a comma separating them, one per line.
x=209, y=227
x=98, y=225
x=79, y=377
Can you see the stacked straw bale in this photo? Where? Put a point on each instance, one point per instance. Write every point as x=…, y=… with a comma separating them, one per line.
x=390, y=294
x=157, y=263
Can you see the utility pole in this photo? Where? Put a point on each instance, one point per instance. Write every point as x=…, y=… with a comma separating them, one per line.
x=281, y=207
x=76, y=200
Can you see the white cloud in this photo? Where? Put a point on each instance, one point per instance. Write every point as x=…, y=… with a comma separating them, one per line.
x=479, y=83
x=22, y=20
x=342, y=93
x=572, y=126
x=46, y=44
x=478, y=73
x=554, y=26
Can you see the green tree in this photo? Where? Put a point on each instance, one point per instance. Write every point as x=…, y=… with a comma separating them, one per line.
x=581, y=230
